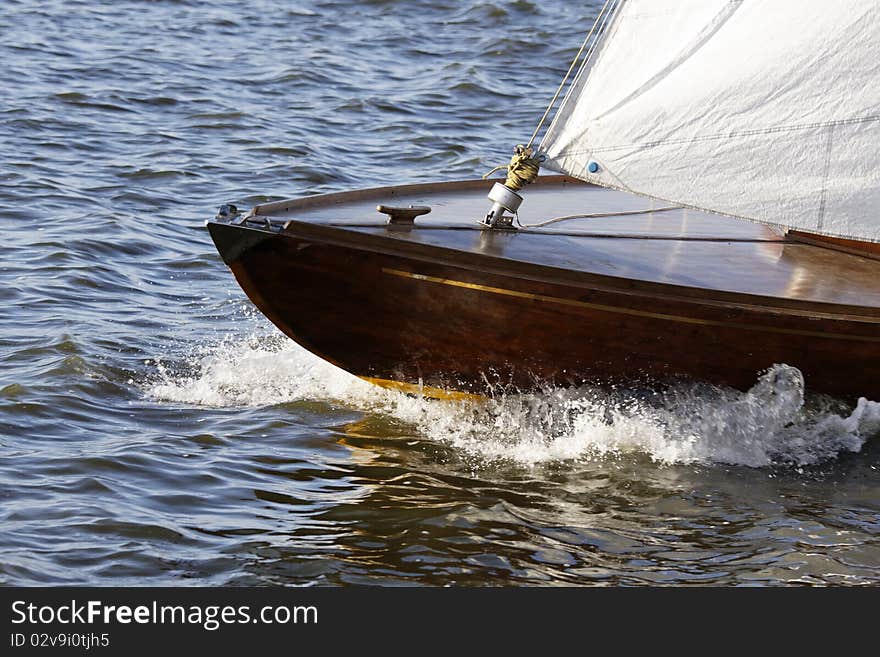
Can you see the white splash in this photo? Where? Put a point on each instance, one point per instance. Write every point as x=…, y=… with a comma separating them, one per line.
x=770, y=424
x=255, y=371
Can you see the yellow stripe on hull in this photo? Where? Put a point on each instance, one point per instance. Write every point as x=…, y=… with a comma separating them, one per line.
x=423, y=390
x=641, y=313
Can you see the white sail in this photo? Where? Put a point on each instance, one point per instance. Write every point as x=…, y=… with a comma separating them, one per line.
x=762, y=109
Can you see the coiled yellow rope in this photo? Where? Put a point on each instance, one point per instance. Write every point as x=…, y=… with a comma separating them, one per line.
x=522, y=170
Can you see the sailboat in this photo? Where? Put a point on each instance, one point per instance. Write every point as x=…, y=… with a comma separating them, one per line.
x=716, y=212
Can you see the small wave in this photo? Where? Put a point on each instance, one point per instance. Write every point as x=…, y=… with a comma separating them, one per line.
x=769, y=425
x=151, y=174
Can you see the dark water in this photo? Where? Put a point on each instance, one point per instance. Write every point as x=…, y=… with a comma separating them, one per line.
x=155, y=430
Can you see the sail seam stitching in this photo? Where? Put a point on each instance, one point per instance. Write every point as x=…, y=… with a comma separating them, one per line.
x=827, y=170
x=731, y=135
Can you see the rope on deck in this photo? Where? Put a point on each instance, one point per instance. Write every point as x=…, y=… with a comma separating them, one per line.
x=602, y=214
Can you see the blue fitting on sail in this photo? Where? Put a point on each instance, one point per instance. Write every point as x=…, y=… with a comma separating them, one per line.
x=593, y=167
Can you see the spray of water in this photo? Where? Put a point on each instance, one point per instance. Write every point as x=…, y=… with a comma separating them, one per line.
x=771, y=424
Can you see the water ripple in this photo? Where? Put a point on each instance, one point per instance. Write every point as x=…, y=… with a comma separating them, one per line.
x=155, y=429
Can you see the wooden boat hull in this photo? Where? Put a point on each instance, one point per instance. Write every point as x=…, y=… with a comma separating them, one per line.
x=428, y=318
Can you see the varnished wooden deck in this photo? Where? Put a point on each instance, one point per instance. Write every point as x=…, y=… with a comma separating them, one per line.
x=680, y=247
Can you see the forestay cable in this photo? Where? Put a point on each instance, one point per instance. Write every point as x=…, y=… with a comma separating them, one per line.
x=577, y=57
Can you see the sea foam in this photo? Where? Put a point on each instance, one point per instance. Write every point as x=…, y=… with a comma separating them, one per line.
x=770, y=424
